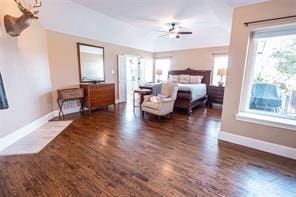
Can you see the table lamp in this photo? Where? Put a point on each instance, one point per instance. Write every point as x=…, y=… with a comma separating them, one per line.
x=158, y=73
x=221, y=73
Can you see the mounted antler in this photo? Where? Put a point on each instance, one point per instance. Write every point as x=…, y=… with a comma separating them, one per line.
x=15, y=26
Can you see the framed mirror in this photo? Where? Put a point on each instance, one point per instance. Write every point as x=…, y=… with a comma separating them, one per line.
x=91, y=63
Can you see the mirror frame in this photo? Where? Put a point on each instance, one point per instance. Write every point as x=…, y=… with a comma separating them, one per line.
x=79, y=61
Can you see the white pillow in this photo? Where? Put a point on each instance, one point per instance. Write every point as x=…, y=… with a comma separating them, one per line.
x=196, y=79
x=162, y=96
x=155, y=99
x=174, y=78
x=158, y=98
x=184, y=79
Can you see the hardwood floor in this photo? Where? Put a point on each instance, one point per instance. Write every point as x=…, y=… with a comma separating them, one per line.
x=120, y=154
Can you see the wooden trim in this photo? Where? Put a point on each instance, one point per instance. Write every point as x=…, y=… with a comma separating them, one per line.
x=79, y=61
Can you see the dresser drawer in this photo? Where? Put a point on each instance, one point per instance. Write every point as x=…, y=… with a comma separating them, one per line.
x=103, y=89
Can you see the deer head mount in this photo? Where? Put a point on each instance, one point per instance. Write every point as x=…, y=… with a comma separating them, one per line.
x=16, y=25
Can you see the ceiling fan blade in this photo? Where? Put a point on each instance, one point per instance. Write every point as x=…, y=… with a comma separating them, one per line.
x=184, y=32
x=161, y=31
x=163, y=35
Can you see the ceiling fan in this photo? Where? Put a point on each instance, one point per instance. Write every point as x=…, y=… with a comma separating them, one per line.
x=174, y=32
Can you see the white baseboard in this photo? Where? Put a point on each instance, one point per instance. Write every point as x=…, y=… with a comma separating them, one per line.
x=259, y=144
x=22, y=132
x=69, y=111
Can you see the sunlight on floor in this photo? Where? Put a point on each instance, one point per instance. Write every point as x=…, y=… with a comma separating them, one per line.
x=37, y=140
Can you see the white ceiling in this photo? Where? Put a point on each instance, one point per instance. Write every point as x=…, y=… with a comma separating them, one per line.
x=135, y=23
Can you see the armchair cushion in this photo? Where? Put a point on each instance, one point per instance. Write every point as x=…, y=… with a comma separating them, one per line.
x=155, y=99
x=151, y=105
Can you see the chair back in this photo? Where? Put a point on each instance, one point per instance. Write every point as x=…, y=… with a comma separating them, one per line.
x=170, y=90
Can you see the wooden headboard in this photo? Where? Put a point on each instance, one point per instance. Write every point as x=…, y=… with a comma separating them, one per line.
x=205, y=73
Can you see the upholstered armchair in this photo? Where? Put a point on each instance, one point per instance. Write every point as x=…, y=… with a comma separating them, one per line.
x=164, y=103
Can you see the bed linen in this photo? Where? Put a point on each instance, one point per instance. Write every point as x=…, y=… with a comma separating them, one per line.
x=197, y=90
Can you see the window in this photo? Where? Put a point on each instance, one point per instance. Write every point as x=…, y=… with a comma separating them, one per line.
x=270, y=81
x=221, y=62
x=146, y=70
x=162, y=68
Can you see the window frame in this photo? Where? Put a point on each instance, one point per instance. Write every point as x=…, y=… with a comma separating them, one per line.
x=255, y=116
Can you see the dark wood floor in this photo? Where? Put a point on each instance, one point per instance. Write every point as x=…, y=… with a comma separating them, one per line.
x=120, y=154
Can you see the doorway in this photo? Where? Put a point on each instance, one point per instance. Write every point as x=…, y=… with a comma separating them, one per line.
x=133, y=71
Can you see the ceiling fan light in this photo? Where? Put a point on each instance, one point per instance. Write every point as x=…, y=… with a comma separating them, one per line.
x=172, y=35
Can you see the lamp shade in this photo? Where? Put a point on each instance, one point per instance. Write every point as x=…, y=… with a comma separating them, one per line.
x=159, y=72
x=221, y=72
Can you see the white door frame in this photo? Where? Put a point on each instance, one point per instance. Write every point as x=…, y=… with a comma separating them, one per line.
x=121, y=73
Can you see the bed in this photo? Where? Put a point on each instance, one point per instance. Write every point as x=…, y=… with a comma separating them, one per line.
x=192, y=95
x=189, y=95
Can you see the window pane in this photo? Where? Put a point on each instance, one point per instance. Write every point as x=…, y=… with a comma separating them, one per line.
x=221, y=62
x=162, y=68
x=274, y=76
x=146, y=71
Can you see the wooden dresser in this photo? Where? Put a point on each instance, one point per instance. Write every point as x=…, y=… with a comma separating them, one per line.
x=98, y=95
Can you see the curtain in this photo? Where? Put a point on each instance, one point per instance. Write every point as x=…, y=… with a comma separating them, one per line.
x=3, y=99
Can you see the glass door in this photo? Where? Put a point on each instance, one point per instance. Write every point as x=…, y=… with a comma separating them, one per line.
x=132, y=75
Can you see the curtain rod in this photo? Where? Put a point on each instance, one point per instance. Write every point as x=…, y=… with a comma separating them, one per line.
x=271, y=19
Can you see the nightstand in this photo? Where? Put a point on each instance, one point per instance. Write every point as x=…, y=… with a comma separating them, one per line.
x=215, y=94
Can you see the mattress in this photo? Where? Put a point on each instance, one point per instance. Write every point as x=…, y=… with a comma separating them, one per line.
x=197, y=90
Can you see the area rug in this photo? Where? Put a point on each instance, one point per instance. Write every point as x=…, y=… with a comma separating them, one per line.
x=37, y=140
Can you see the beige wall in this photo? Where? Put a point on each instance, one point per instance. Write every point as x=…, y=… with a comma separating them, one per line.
x=237, y=58
x=63, y=60
x=200, y=59
x=25, y=71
